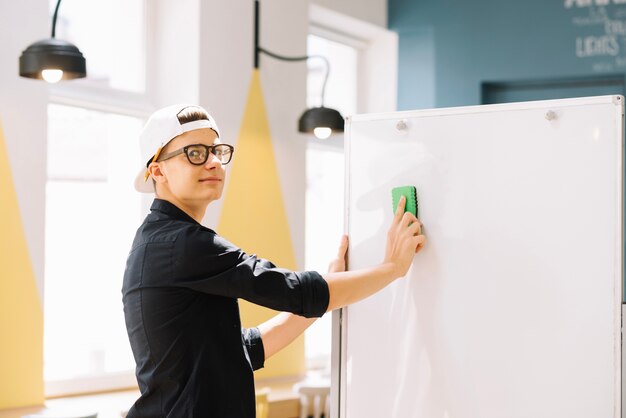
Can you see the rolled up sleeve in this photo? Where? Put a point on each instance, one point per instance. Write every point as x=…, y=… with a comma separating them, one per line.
x=254, y=345
x=315, y=294
x=212, y=265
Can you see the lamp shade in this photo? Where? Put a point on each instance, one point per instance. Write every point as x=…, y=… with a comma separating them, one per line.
x=54, y=54
x=320, y=117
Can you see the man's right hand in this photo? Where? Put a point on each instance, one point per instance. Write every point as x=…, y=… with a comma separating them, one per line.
x=404, y=239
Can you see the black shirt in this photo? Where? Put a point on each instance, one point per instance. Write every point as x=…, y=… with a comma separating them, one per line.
x=180, y=292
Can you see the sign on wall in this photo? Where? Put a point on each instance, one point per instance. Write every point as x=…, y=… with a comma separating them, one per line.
x=601, y=32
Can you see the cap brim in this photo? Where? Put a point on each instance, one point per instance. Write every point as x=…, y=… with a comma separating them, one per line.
x=141, y=185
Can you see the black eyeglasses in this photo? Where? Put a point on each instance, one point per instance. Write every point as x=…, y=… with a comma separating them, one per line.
x=197, y=154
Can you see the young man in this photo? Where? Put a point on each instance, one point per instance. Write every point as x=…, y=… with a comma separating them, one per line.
x=182, y=281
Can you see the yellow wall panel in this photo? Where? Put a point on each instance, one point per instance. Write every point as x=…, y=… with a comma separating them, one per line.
x=21, y=314
x=253, y=217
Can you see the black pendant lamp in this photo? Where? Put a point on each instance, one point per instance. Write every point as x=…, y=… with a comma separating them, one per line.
x=320, y=121
x=52, y=59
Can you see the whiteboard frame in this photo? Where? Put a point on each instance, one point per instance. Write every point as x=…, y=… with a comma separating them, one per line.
x=339, y=319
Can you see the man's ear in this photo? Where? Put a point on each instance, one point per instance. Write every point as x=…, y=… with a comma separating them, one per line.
x=157, y=173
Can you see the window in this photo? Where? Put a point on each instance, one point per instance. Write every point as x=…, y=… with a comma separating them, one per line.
x=342, y=81
x=92, y=210
x=363, y=78
x=110, y=38
x=324, y=174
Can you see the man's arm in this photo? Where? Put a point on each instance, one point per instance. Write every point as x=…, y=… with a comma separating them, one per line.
x=404, y=240
x=282, y=329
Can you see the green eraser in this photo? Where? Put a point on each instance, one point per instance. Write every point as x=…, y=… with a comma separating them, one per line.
x=411, y=198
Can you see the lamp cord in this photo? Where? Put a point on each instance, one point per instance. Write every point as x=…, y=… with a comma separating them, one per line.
x=54, y=19
x=303, y=58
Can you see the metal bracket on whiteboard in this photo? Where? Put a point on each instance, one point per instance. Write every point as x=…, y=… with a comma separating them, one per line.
x=402, y=125
x=551, y=115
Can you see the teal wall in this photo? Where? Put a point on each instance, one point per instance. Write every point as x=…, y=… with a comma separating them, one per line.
x=449, y=47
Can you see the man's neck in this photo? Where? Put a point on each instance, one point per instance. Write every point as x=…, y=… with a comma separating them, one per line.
x=196, y=211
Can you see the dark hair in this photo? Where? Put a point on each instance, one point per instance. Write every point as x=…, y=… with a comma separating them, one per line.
x=191, y=114
x=186, y=115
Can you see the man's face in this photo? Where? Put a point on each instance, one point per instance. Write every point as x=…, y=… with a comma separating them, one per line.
x=192, y=183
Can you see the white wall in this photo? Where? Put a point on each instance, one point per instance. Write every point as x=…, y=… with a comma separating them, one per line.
x=23, y=115
x=372, y=11
x=173, y=51
x=377, y=57
x=227, y=68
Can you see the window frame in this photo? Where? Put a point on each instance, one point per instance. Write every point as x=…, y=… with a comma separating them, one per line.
x=90, y=96
x=377, y=59
x=333, y=144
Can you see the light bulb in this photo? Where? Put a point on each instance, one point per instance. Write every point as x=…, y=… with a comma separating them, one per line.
x=52, y=76
x=322, y=133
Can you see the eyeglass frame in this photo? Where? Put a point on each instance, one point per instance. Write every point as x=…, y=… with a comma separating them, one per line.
x=209, y=148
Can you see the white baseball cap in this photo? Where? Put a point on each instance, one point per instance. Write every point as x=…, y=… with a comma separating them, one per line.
x=161, y=128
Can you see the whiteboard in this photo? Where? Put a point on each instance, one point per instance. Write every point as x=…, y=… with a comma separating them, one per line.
x=513, y=307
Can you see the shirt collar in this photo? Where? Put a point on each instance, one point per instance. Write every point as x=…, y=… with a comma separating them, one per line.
x=170, y=209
